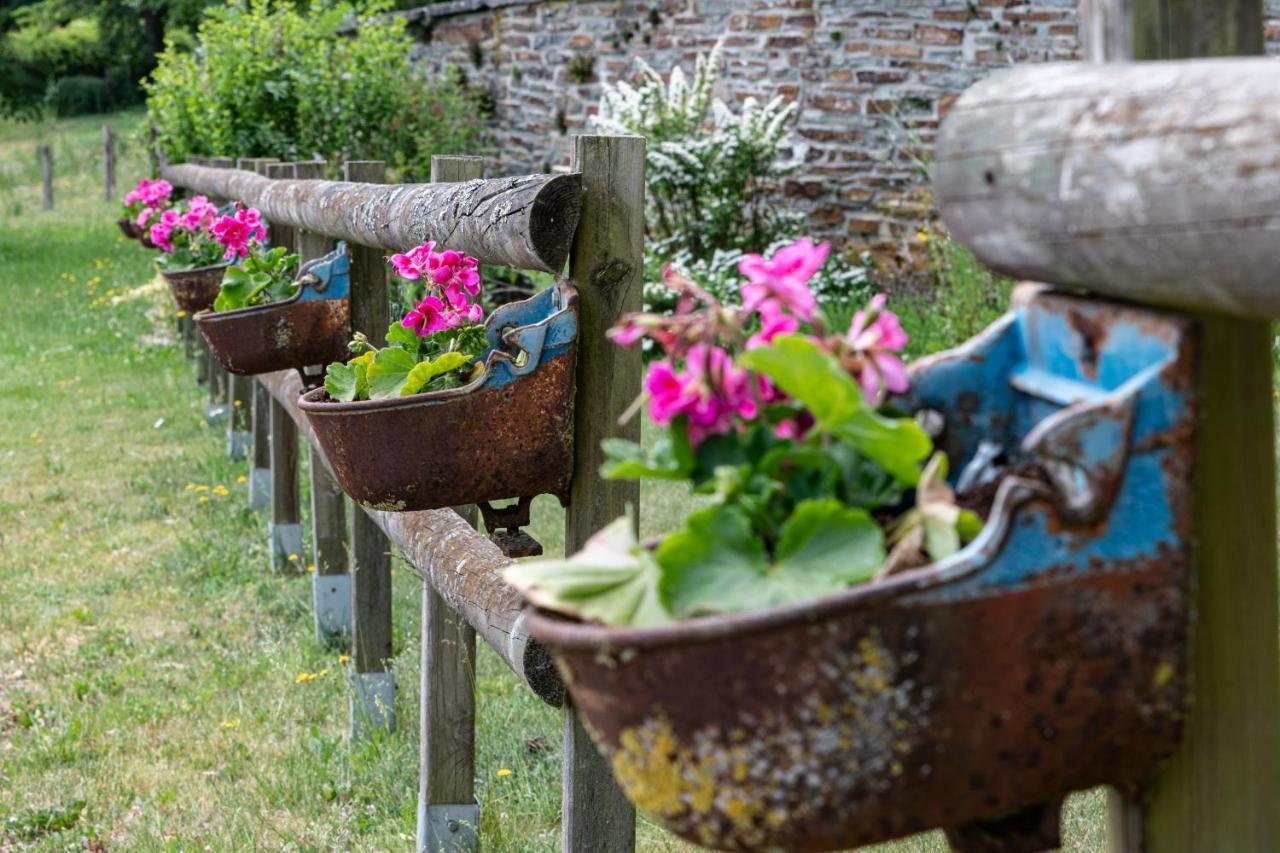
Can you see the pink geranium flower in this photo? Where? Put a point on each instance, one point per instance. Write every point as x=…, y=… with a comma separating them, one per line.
x=876, y=335
x=161, y=233
x=451, y=278
x=155, y=193
x=774, y=321
x=199, y=215
x=236, y=232
x=784, y=277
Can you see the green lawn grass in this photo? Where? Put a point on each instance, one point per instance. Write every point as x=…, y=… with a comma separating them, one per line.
x=149, y=664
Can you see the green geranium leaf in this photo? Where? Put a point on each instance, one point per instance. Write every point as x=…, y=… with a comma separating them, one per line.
x=817, y=380
x=425, y=371
x=388, y=372
x=236, y=286
x=714, y=564
x=828, y=540
x=627, y=460
x=407, y=339
x=340, y=382
x=611, y=579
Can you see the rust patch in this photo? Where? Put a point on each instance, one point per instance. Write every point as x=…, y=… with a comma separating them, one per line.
x=287, y=335
x=195, y=290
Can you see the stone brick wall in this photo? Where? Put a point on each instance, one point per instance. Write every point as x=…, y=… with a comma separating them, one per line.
x=872, y=78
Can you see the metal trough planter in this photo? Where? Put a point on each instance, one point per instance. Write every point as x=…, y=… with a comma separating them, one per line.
x=129, y=228
x=508, y=434
x=194, y=290
x=309, y=328
x=973, y=694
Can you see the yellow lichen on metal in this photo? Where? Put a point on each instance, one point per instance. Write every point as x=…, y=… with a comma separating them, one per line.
x=738, y=787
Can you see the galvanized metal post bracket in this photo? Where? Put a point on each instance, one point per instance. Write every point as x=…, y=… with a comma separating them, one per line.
x=448, y=828
x=285, y=541
x=239, y=443
x=259, y=488
x=373, y=703
x=331, y=595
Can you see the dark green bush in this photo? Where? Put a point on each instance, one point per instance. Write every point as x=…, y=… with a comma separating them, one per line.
x=79, y=95
x=271, y=80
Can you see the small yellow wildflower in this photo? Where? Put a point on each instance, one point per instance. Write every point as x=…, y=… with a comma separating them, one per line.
x=238, y=403
x=923, y=235
x=181, y=313
x=204, y=499
x=231, y=724
x=322, y=673
x=35, y=436
x=504, y=772
x=302, y=678
x=293, y=558
x=200, y=489
x=97, y=264
x=71, y=277
x=221, y=491
x=344, y=658
x=204, y=424
x=190, y=487
x=311, y=569
x=242, y=479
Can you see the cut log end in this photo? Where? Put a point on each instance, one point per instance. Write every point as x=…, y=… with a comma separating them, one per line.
x=554, y=220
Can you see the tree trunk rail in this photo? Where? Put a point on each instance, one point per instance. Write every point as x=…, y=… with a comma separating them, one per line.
x=525, y=222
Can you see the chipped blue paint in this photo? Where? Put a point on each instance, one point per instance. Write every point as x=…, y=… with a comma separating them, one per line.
x=326, y=277
x=1088, y=389
x=542, y=327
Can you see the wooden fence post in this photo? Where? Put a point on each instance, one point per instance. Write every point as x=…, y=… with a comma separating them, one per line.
x=46, y=175
x=284, y=532
x=373, y=697
x=1219, y=790
x=607, y=266
x=448, y=814
x=331, y=584
x=260, y=469
x=108, y=164
x=219, y=379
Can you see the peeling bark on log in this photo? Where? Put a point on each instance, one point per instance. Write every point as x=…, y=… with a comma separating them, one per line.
x=463, y=566
x=1157, y=182
x=523, y=222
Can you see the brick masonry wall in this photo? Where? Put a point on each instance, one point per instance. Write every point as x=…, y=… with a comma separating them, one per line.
x=873, y=79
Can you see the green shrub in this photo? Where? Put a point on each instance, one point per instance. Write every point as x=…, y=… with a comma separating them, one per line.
x=80, y=94
x=271, y=80
x=712, y=180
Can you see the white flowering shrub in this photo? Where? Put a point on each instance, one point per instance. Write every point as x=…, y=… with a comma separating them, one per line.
x=712, y=181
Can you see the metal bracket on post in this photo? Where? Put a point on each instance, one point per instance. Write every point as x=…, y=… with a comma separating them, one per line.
x=331, y=595
x=285, y=540
x=373, y=703
x=259, y=488
x=239, y=443
x=504, y=524
x=448, y=829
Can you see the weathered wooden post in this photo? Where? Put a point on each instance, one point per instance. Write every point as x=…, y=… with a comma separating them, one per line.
x=331, y=584
x=607, y=267
x=219, y=379
x=448, y=814
x=1156, y=182
x=374, y=688
x=284, y=532
x=46, y=175
x=108, y=164
x=260, y=469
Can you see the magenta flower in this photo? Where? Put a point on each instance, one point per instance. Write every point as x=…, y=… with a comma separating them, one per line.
x=427, y=317
x=773, y=322
x=236, y=232
x=199, y=215
x=876, y=335
x=161, y=233
x=784, y=278
x=670, y=394
x=155, y=193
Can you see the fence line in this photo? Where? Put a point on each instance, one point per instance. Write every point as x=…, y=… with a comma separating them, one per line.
x=530, y=222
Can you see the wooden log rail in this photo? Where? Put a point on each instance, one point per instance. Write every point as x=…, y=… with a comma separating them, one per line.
x=460, y=563
x=523, y=222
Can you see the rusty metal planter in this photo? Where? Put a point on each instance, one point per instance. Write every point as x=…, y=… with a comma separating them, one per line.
x=194, y=290
x=311, y=327
x=1047, y=656
x=129, y=228
x=508, y=434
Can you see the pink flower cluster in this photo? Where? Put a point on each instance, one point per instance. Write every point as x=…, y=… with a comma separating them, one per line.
x=191, y=219
x=149, y=199
x=699, y=378
x=236, y=232
x=452, y=281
